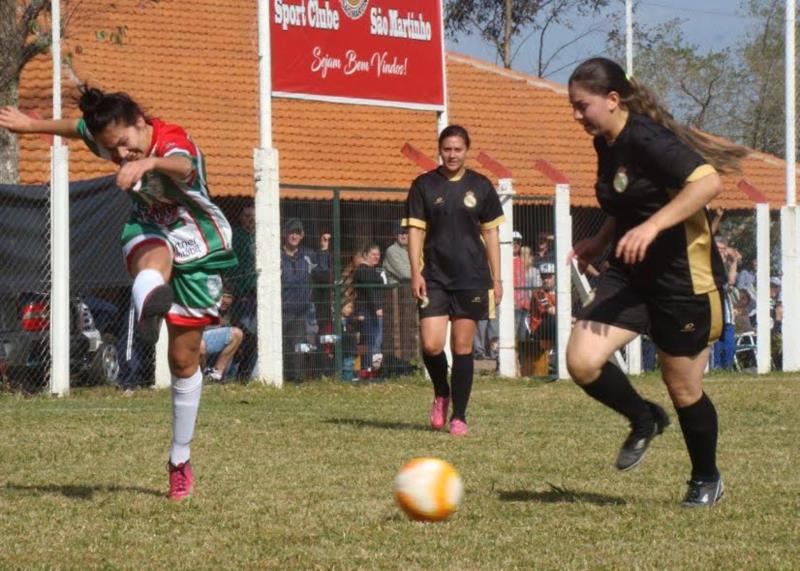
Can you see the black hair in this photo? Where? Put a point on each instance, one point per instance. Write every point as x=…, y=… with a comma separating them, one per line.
x=454, y=131
x=101, y=109
x=601, y=76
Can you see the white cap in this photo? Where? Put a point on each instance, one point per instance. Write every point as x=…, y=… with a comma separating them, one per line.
x=517, y=235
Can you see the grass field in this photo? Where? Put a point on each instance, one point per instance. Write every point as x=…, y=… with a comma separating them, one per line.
x=301, y=478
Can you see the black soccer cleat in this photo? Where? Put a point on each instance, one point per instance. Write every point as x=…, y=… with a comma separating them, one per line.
x=703, y=494
x=635, y=446
x=155, y=307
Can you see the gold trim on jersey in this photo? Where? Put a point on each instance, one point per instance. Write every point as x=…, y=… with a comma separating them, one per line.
x=715, y=304
x=494, y=223
x=701, y=172
x=492, y=312
x=698, y=252
x=414, y=222
x=698, y=242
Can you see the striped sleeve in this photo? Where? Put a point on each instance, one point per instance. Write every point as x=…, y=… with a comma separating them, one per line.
x=415, y=208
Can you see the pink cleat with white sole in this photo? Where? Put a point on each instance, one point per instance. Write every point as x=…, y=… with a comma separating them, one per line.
x=439, y=412
x=458, y=427
x=180, y=481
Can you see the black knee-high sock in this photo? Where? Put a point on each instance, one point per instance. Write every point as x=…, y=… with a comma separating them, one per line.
x=437, y=369
x=613, y=389
x=463, y=368
x=699, y=427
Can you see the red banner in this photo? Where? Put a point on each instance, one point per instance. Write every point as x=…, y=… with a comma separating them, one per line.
x=383, y=52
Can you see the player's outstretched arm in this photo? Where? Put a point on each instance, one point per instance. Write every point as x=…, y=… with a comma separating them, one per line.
x=16, y=121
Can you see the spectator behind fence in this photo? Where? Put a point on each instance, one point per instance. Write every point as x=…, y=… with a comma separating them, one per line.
x=747, y=278
x=297, y=311
x=724, y=349
x=543, y=319
x=322, y=278
x=522, y=295
x=220, y=342
x=368, y=278
x=396, y=262
x=350, y=327
x=243, y=280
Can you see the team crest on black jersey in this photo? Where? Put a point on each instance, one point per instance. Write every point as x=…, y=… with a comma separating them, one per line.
x=621, y=180
x=354, y=8
x=469, y=199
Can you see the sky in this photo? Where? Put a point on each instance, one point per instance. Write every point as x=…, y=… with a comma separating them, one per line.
x=711, y=24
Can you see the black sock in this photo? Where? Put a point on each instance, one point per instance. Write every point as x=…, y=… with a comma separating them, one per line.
x=613, y=389
x=437, y=369
x=463, y=367
x=699, y=426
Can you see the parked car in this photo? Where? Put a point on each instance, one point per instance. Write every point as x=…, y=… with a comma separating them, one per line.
x=93, y=355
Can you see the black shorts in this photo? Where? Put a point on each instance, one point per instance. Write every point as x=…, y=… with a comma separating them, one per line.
x=681, y=326
x=470, y=303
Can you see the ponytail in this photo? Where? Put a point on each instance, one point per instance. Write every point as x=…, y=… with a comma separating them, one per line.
x=101, y=109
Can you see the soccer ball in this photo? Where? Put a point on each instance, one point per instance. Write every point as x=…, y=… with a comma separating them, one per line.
x=428, y=489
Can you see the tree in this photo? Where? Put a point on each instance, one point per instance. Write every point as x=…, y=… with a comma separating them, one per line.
x=500, y=23
x=695, y=86
x=21, y=39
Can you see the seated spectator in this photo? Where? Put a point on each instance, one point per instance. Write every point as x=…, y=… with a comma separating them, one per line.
x=220, y=342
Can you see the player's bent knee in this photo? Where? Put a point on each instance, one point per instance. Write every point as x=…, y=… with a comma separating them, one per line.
x=582, y=370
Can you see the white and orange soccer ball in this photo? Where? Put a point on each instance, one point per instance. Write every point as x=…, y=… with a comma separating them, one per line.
x=428, y=489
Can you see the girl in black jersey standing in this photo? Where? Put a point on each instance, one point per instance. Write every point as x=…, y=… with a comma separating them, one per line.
x=655, y=178
x=453, y=215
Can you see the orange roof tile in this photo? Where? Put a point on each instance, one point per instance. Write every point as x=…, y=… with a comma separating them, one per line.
x=199, y=68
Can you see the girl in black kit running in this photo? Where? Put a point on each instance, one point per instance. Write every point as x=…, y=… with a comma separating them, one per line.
x=453, y=215
x=654, y=179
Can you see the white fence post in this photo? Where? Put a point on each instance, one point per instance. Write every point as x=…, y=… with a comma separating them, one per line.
x=790, y=284
x=59, y=270
x=633, y=356
x=268, y=267
x=563, y=233
x=763, y=340
x=507, y=354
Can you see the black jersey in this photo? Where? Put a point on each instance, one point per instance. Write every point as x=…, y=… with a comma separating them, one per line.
x=453, y=213
x=637, y=175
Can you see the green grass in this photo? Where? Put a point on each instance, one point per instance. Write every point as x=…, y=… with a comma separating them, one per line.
x=301, y=478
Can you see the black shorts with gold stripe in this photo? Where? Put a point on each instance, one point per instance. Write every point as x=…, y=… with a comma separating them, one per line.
x=679, y=325
x=475, y=304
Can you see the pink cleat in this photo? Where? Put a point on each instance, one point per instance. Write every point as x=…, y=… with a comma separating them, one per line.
x=458, y=427
x=439, y=412
x=180, y=481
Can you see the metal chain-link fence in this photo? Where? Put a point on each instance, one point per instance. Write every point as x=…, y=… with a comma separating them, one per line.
x=98, y=281
x=534, y=260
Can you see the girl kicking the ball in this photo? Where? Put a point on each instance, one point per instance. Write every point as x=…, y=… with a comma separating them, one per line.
x=453, y=215
x=175, y=242
x=655, y=178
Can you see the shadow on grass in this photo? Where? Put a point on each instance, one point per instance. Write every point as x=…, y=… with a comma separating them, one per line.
x=364, y=423
x=78, y=492
x=559, y=495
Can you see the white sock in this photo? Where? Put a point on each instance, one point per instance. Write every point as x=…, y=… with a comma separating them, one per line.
x=145, y=282
x=185, y=402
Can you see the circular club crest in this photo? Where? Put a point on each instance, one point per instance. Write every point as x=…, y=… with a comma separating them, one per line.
x=469, y=199
x=354, y=8
x=620, y=180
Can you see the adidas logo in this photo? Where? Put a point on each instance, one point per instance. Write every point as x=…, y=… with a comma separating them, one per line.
x=688, y=328
x=439, y=200
x=477, y=299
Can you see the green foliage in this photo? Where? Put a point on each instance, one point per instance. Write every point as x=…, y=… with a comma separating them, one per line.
x=301, y=478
